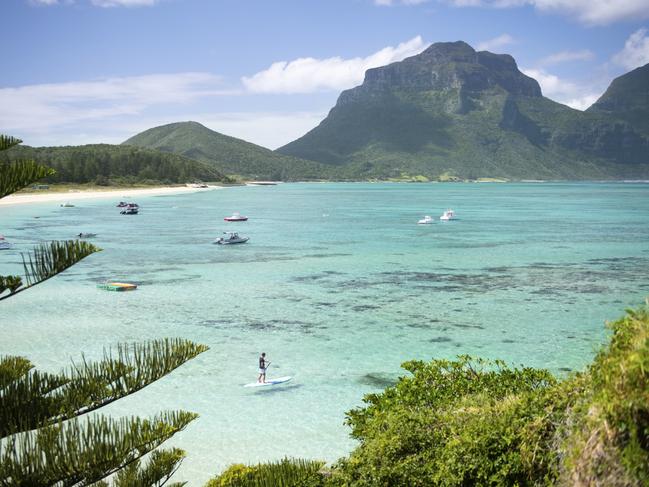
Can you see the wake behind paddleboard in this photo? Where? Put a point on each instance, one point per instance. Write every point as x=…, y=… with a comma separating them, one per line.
x=271, y=382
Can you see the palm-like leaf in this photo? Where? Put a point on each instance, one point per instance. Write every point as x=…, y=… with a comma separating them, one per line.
x=48, y=260
x=19, y=174
x=37, y=399
x=80, y=453
x=7, y=142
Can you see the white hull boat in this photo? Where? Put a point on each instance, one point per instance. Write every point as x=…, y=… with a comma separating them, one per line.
x=447, y=216
x=427, y=220
x=231, y=238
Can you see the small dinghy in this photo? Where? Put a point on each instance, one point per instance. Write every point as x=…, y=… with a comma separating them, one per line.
x=86, y=235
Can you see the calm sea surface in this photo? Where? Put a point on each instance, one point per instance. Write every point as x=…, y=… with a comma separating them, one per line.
x=338, y=285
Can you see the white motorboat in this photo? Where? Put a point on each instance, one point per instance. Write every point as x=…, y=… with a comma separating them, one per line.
x=447, y=215
x=426, y=220
x=130, y=209
x=231, y=238
x=236, y=217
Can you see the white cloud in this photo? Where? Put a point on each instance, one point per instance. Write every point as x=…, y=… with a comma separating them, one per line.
x=635, y=52
x=561, y=90
x=592, y=12
x=308, y=75
x=41, y=107
x=567, y=56
x=495, y=43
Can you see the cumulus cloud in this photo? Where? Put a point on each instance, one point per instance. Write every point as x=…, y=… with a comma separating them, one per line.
x=308, y=75
x=567, y=56
x=635, y=52
x=592, y=12
x=495, y=43
x=561, y=90
x=43, y=106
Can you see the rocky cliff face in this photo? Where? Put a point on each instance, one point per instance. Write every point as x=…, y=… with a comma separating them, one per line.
x=446, y=67
x=628, y=99
x=451, y=109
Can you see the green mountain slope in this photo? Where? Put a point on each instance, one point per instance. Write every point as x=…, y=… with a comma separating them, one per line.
x=228, y=154
x=452, y=110
x=628, y=99
x=108, y=164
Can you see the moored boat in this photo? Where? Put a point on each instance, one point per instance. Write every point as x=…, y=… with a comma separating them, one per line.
x=236, y=217
x=447, y=215
x=426, y=220
x=231, y=238
x=130, y=209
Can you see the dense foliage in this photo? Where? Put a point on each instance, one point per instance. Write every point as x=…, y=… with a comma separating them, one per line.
x=285, y=473
x=468, y=422
x=105, y=164
x=229, y=155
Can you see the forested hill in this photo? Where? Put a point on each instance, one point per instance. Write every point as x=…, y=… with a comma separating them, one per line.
x=451, y=110
x=114, y=164
x=229, y=155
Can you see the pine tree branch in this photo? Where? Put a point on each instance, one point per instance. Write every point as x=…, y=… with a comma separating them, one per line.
x=13, y=368
x=48, y=260
x=80, y=453
x=38, y=399
x=7, y=142
x=162, y=464
x=17, y=175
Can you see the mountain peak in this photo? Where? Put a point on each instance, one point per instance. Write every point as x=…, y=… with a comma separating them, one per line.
x=451, y=65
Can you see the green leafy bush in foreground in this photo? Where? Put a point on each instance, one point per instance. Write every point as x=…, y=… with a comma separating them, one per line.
x=285, y=473
x=474, y=422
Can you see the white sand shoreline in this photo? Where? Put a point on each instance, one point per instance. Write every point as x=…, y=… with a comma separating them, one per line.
x=119, y=193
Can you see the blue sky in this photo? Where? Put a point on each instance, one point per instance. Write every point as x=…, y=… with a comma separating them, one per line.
x=87, y=71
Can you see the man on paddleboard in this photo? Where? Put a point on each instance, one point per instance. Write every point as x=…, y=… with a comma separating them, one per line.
x=263, y=365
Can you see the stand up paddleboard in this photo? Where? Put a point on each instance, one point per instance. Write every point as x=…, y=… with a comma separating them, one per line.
x=271, y=382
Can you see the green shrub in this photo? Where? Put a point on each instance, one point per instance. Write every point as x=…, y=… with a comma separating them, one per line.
x=285, y=473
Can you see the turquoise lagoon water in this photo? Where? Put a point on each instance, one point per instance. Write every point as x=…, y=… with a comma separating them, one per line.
x=338, y=285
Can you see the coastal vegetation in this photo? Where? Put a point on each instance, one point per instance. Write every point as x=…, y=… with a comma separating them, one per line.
x=477, y=422
x=114, y=165
x=43, y=439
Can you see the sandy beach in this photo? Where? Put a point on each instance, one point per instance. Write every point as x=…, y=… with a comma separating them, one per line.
x=119, y=193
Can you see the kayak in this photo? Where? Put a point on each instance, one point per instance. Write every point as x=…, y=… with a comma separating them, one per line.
x=271, y=382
